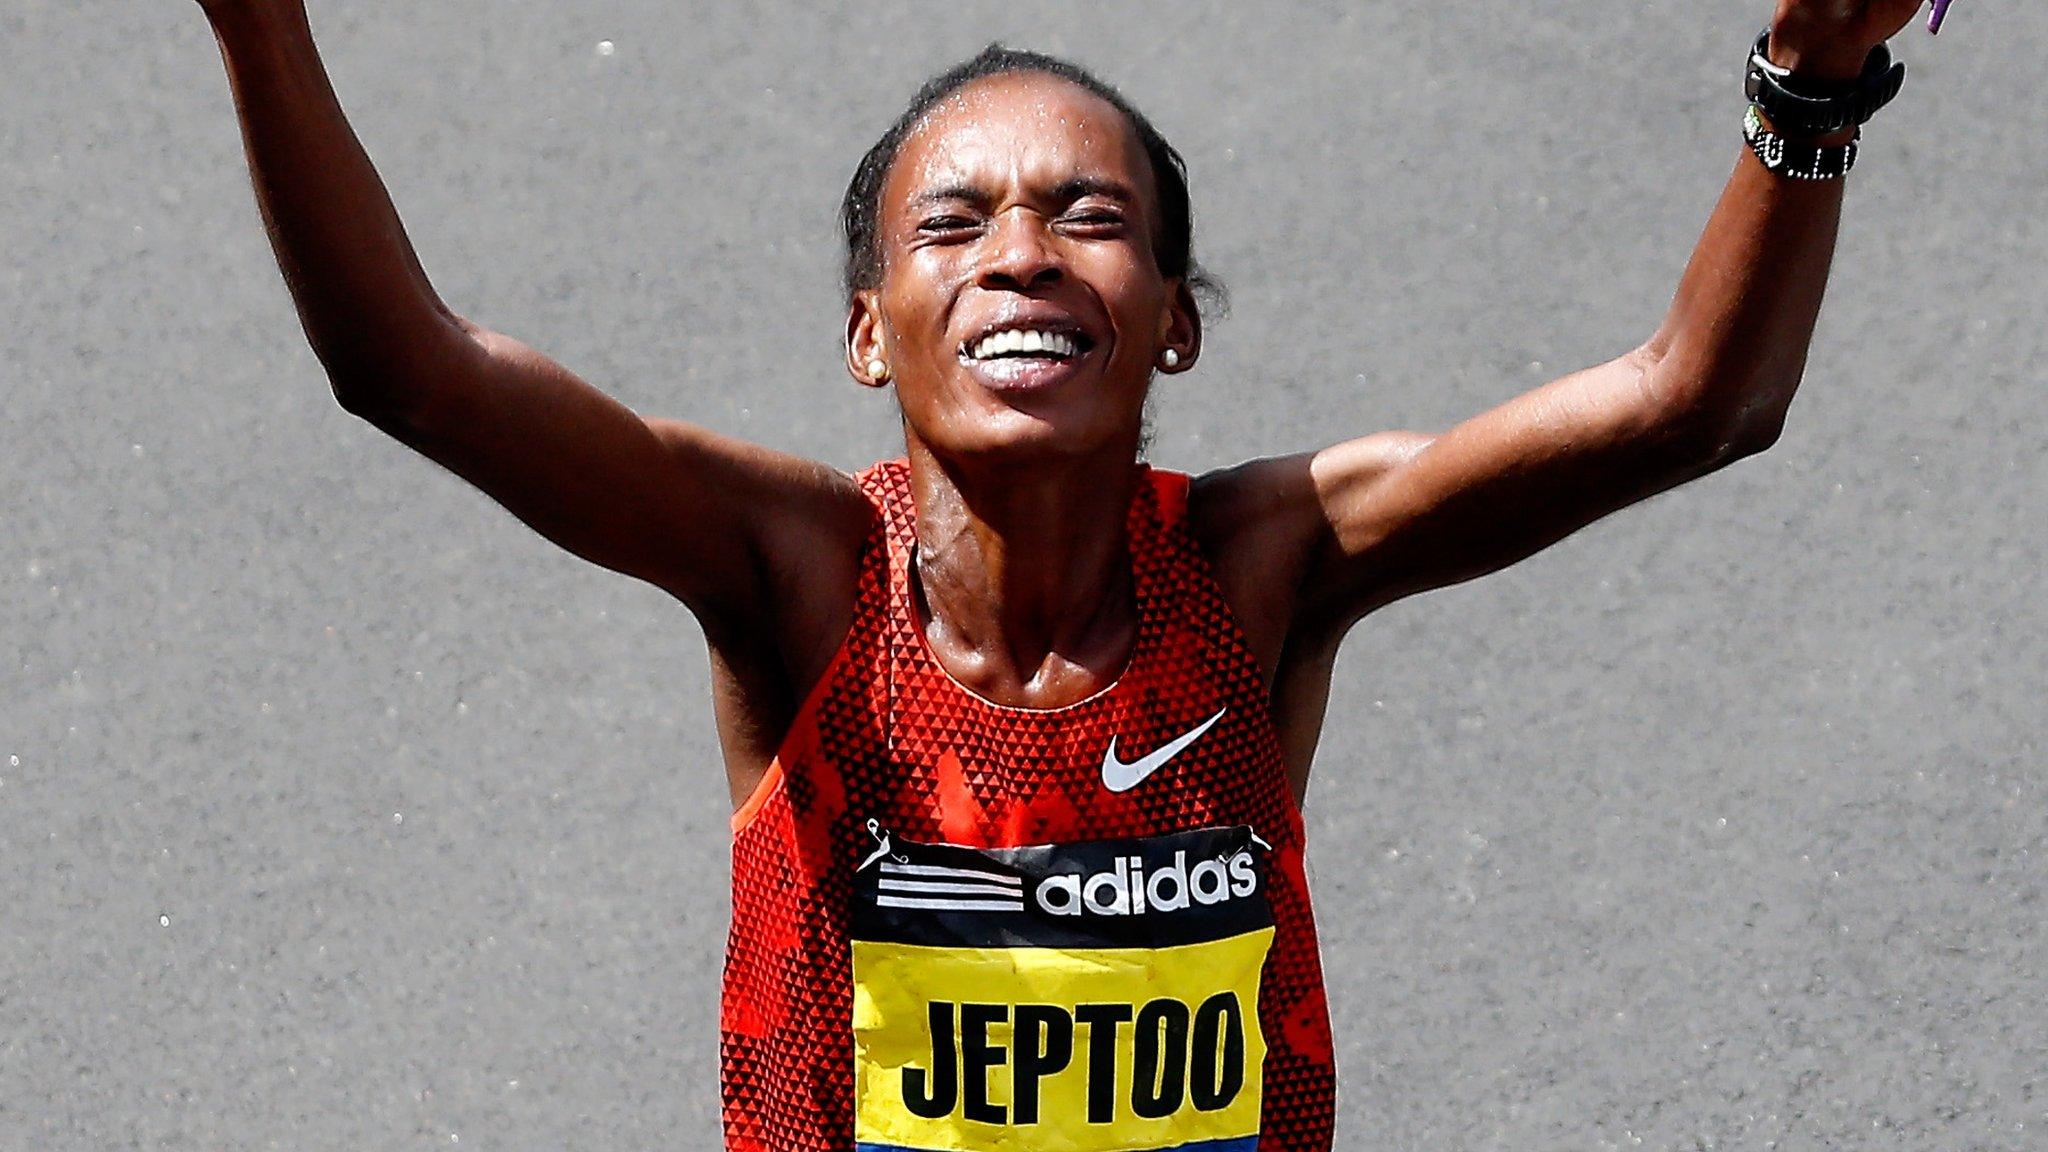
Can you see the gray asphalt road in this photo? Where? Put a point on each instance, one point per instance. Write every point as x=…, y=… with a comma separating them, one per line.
x=337, y=810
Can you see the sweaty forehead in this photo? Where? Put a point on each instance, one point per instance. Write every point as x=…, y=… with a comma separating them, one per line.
x=1018, y=130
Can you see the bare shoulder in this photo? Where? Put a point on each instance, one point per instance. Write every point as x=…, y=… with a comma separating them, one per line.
x=808, y=524
x=813, y=540
x=789, y=498
x=1256, y=523
x=1264, y=524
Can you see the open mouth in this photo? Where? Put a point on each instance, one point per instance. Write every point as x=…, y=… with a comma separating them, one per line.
x=1056, y=344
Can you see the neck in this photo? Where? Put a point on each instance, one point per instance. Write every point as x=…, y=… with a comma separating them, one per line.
x=1025, y=572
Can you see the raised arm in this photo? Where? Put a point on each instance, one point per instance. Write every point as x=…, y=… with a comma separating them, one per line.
x=1397, y=513
x=664, y=501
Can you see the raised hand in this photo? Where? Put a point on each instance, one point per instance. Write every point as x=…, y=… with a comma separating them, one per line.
x=232, y=7
x=230, y=13
x=1832, y=37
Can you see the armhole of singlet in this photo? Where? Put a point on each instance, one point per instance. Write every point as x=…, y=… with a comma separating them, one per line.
x=806, y=713
x=1173, y=489
x=758, y=799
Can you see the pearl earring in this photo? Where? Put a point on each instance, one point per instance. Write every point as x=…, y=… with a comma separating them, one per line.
x=1170, y=359
x=879, y=370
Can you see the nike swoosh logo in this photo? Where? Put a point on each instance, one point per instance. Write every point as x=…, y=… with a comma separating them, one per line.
x=1118, y=776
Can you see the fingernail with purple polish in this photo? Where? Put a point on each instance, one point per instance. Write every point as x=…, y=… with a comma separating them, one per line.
x=1940, y=11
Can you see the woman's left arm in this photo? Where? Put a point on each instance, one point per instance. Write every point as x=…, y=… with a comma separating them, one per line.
x=1733, y=346
x=1402, y=512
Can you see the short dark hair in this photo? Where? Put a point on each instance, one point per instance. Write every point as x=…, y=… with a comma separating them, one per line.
x=860, y=212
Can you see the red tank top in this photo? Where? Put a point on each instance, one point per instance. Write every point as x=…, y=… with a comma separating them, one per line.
x=958, y=925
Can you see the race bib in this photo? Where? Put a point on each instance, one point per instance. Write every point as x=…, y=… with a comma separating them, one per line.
x=1095, y=997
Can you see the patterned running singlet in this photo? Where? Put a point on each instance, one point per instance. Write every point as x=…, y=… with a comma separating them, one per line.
x=963, y=926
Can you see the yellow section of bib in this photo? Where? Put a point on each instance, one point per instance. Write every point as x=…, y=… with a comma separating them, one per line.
x=1059, y=1050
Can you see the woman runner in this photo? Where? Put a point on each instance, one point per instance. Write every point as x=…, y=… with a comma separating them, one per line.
x=1017, y=727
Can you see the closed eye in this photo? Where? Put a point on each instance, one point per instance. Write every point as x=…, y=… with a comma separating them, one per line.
x=1094, y=220
x=944, y=224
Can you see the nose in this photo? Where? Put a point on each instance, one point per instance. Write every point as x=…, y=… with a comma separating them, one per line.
x=1022, y=253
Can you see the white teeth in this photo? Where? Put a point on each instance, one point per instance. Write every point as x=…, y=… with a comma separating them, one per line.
x=1026, y=340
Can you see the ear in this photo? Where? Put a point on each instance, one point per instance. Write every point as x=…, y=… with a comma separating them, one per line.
x=866, y=338
x=1180, y=328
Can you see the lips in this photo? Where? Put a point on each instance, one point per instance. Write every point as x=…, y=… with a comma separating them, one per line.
x=1027, y=340
x=1026, y=349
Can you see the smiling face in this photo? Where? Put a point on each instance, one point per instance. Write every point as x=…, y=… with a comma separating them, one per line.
x=1021, y=310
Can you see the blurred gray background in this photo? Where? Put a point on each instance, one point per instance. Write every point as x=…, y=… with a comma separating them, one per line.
x=338, y=810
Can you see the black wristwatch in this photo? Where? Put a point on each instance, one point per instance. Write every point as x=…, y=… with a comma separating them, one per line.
x=1802, y=107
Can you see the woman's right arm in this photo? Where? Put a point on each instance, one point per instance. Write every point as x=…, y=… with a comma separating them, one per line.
x=668, y=502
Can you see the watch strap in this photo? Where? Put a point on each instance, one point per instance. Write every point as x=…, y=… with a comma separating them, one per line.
x=1801, y=106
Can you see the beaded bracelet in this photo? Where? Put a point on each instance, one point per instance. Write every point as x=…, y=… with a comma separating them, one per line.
x=1793, y=158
